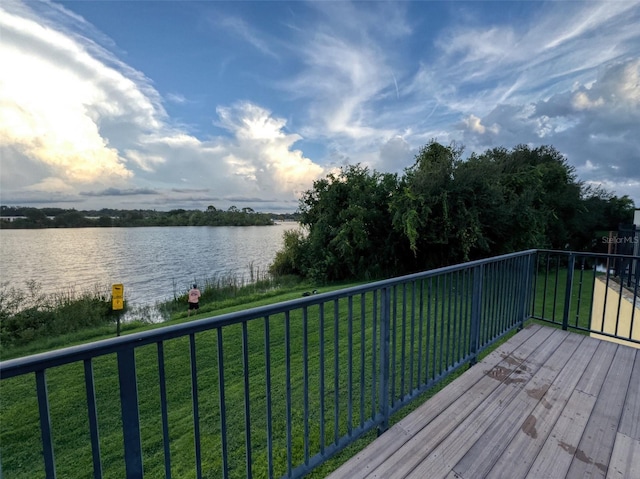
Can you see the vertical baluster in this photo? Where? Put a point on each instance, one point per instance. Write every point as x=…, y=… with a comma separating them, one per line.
x=579, y=300
x=467, y=310
x=568, y=291
x=403, y=342
x=447, y=361
x=476, y=305
x=223, y=408
x=557, y=286
x=195, y=404
x=505, y=283
x=532, y=284
x=362, y=356
x=441, y=289
x=247, y=399
x=636, y=268
x=620, y=300
x=287, y=354
x=533, y=273
x=374, y=362
x=429, y=355
x=392, y=330
x=321, y=339
x=45, y=425
x=350, y=365
x=267, y=353
x=436, y=297
x=336, y=375
x=420, y=331
x=93, y=418
x=455, y=353
x=547, y=262
x=412, y=334
x=592, y=282
x=385, y=321
x=493, y=299
x=164, y=410
x=305, y=380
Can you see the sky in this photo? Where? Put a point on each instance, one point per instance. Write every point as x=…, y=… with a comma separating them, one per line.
x=180, y=104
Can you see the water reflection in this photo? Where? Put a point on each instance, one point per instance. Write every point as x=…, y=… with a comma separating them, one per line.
x=153, y=263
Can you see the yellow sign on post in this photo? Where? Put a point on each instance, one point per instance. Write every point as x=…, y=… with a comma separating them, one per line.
x=117, y=296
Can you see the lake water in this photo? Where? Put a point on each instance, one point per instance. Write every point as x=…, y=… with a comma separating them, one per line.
x=152, y=263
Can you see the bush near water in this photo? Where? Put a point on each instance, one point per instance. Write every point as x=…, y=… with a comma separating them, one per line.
x=32, y=321
x=29, y=314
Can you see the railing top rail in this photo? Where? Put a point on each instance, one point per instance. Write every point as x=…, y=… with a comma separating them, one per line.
x=587, y=253
x=41, y=361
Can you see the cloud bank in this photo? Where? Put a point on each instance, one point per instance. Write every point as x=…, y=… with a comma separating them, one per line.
x=325, y=84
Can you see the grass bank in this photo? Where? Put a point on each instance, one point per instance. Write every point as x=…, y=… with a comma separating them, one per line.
x=19, y=431
x=19, y=435
x=19, y=438
x=33, y=322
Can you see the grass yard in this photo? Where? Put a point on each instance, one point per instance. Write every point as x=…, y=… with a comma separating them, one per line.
x=550, y=287
x=429, y=334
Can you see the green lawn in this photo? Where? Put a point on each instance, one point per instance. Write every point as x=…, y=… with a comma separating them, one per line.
x=440, y=336
x=550, y=297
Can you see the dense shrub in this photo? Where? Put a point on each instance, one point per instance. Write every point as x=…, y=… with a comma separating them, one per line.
x=29, y=314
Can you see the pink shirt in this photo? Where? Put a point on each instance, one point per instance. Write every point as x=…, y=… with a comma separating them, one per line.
x=194, y=295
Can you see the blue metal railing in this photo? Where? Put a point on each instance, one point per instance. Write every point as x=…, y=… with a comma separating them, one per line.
x=268, y=392
x=589, y=292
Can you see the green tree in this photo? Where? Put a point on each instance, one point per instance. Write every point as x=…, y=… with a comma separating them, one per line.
x=425, y=209
x=72, y=219
x=349, y=225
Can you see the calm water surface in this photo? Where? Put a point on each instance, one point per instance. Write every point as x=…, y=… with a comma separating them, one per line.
x=152, y=263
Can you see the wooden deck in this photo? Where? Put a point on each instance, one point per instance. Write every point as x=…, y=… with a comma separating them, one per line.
x=545, y=404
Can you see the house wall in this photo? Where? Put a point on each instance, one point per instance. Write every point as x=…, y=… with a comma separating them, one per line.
x=610, y=311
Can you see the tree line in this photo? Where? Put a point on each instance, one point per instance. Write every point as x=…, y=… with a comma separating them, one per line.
x=363, y=224
x=27, y=217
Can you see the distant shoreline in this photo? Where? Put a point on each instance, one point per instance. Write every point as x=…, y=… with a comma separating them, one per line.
x=41, y=218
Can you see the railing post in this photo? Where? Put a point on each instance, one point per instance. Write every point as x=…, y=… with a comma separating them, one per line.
x=130, y=413
x=385, y=322
x=567, y=291
x=476, y=312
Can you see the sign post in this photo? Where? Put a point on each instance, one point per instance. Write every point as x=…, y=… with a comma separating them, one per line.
x=117, y=302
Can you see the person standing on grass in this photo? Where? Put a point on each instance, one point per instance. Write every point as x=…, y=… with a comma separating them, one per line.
x=194, y=298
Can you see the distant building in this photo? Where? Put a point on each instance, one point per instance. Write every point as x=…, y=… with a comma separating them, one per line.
x=10, y=219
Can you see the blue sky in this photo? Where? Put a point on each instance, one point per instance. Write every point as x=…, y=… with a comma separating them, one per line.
x=178, y=104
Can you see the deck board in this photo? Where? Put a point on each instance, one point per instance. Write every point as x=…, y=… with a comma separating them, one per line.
x=519, y=454
x=594, y=450
x=630, y=421
x=546, y=403
x=439, y=437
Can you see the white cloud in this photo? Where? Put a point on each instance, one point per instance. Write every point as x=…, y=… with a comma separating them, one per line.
x=396, y=155
x=595, y=126
x=239, y=27
x=75, y=118
x=50, y=185
x=474, y=125
x=76, y=121
x=44, y=107
x=263, y=152
x=581, y=101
